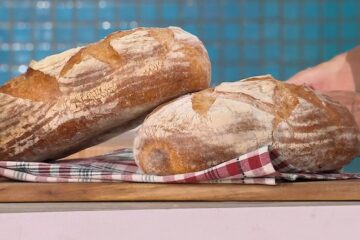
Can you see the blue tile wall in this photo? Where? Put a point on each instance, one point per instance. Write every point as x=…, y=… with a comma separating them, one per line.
x=243, y=37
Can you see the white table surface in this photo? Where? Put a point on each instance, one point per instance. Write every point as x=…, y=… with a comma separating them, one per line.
x=177, y=220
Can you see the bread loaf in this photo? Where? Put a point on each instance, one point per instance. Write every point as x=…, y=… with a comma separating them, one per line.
x=75, y=99
x=203, y=129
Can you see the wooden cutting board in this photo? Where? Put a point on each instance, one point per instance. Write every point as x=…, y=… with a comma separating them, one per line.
x=77, y=192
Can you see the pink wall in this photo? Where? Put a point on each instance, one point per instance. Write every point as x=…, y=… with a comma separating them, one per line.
x=306, y=222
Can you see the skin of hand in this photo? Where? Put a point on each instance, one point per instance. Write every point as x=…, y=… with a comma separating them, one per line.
x=339, y=78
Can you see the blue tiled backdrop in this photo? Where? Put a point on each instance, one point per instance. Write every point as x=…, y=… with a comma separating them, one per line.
x=243, y=37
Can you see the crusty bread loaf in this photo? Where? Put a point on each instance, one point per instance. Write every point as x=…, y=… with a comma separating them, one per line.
x=203, y=129
x=85, y=95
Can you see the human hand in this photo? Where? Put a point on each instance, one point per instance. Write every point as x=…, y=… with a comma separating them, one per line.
x=339, y=78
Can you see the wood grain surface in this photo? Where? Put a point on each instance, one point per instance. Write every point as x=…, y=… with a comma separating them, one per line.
x=85, y=192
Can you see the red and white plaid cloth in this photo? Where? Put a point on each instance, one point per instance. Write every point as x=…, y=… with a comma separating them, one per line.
x=262, y=166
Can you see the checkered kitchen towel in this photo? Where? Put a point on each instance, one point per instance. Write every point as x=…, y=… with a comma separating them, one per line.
x=263, y=166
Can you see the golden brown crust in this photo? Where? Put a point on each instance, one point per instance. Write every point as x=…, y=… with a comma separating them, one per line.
x=75, y=99
x=330, y=140
x=197, y=131
x=202, y=101
x=33, y=85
